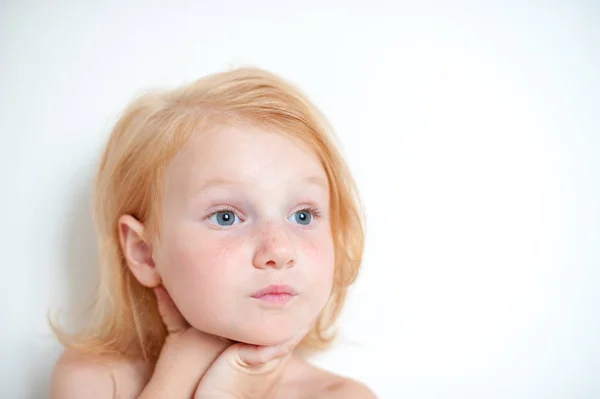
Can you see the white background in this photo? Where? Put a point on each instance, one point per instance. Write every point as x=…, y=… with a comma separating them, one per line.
x=473, y=133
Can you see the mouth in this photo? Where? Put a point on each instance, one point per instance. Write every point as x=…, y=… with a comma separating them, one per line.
x=275, y=294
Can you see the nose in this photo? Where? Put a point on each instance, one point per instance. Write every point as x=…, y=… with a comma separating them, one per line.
x=275, y=249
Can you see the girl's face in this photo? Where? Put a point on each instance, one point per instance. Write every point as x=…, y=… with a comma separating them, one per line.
x=244, y=209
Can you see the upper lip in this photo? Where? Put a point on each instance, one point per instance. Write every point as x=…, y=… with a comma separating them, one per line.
x=275, y=289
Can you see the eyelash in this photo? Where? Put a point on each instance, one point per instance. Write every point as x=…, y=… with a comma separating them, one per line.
x=314, y=211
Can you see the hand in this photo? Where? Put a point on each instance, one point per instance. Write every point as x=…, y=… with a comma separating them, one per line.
x=225, y=370
x=185, y=356
x=245, y=371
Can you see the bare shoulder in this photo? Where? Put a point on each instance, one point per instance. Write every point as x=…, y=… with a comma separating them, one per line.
x=78, y=375
x=346, y=388
x=328, y=385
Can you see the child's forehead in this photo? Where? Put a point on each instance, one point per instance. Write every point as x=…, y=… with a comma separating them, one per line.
x=237, y=158
x=313, y=180
x=242, y=153
x=215, y=181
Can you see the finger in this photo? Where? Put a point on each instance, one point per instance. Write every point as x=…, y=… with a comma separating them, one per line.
x=259, y=355
x=171, y=316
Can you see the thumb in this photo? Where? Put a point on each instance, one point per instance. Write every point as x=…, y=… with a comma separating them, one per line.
x=171, y=316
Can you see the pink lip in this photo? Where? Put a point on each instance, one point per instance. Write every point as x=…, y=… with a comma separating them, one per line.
x=275, y=295
x=275, y=292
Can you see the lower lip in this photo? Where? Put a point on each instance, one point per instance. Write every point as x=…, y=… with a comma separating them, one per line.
x=275, y=299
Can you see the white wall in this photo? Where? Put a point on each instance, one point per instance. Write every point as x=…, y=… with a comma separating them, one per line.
x=473, y=132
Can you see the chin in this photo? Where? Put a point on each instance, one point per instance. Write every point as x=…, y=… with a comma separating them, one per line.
x=262, y=336
x=265, y=341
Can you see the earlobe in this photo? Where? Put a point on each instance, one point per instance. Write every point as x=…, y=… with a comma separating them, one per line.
x=137, y=251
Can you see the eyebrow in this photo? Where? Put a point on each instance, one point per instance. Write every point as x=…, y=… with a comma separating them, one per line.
x=226, y=181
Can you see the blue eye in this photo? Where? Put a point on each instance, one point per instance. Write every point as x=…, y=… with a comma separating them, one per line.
x=225, y=217
x=305, y=216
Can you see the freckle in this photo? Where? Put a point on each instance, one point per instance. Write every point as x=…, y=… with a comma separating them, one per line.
x=334, y=386
x=224, y=250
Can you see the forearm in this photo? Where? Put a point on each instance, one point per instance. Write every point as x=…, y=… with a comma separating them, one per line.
x=159, y=389
x=172, y=383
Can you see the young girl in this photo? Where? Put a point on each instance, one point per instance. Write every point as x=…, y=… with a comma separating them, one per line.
x=229, y=230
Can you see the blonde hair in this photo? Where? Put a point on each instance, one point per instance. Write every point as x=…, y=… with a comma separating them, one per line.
x=152, y=129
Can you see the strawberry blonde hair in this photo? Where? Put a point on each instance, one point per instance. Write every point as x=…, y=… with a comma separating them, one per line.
x=151, y=130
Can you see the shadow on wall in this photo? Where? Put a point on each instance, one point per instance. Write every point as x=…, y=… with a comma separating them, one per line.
x=78, y=276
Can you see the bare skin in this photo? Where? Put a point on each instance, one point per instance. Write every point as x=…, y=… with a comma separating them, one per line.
x=127, y=378
x=276, y=374
x=211, y=270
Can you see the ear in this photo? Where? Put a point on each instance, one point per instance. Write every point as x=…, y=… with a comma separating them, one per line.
x=137, y=251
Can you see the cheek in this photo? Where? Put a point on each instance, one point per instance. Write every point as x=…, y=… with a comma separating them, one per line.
x=321, y=257
x=320, y=253
x=203, y=277
x=198, y=266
